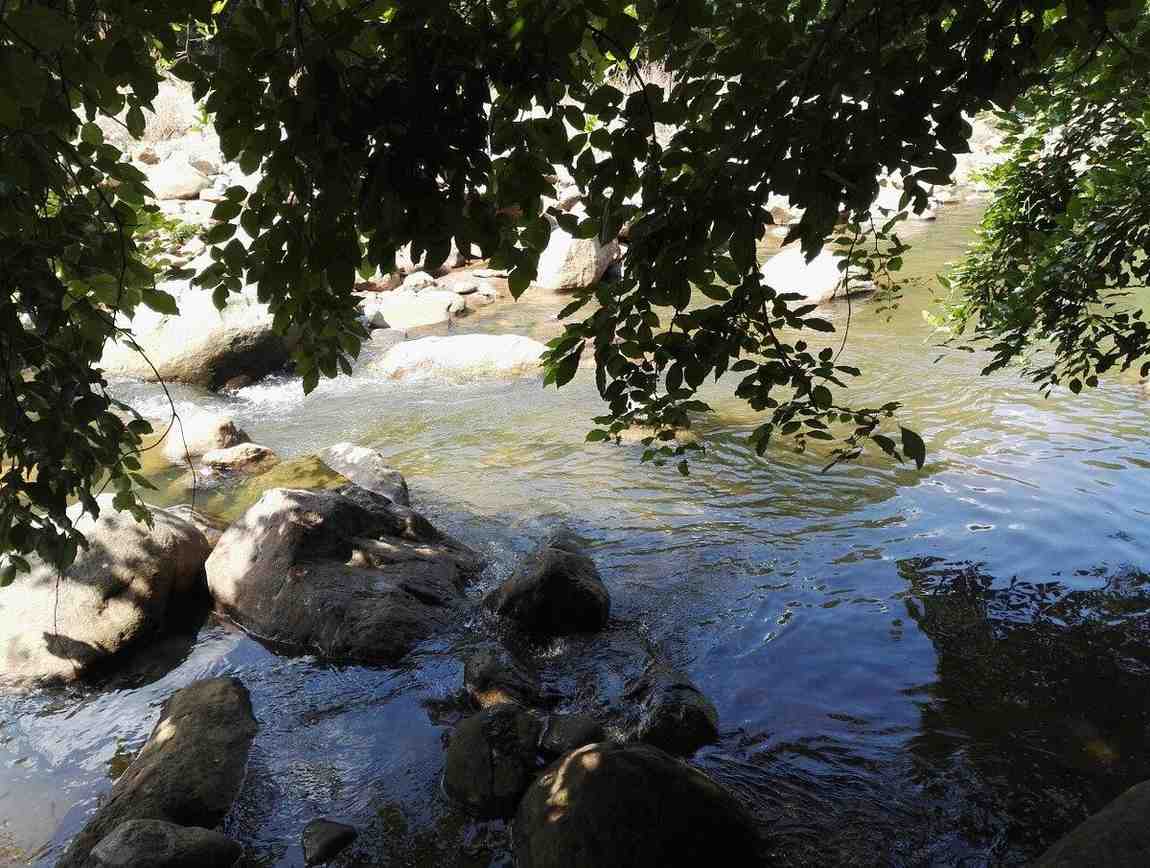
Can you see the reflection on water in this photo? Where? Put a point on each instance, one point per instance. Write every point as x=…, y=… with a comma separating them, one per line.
x=936, y=668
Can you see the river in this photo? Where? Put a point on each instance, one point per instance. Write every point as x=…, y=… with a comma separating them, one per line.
x=945, y=667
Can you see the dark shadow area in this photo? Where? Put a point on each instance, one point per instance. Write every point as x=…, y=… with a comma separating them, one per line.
x=1043, y=693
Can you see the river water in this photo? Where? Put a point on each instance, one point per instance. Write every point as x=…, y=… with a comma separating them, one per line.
x=945, y=667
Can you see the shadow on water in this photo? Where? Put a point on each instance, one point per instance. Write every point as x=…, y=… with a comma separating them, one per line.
x=1042, y=691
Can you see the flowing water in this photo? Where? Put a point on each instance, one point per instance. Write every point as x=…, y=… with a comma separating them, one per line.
x=945, y=667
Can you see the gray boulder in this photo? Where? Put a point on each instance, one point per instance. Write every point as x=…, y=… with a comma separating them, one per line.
x=367, y=469
x=493, y=677
x=55, y=628
x=323, y=840
x=157, y=844
x=345, y=574
x=554, y=591
x=673, y=714
x=189, y=771
x=1118, y=836
x=616, y=806
x=491, y=759
x=202, y=346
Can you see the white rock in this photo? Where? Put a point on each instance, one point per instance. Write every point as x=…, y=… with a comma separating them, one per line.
x=245, y=457
x=816, y=281
x=404, y=263
x=197, y=432
x=416, y=281
x=383, y=340
x=406, y=310
x=574, y=263
x=462, y=357
x=176, y=178
x=367, y=469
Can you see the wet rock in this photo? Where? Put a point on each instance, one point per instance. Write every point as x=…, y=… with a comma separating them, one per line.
x=404, y=309
x=491, y=759
x=493, y=677
x=616, y=806
x=568, y=732
x=673, y=714
x=817, y=281
x=157, y=844
x=189, y=771
x=554, y=591
x=244, y=458
x=233, y=385
x=202, y=346
x=345, y=574
x=211, y=526
x=54, y=628
x=176, y=178
x=323, y=840
x=573, y=263
x=197, y=432
x=462, y=357
x=1118, y=836
x=367, y=469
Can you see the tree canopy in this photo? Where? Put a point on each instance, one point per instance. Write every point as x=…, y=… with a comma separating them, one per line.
x=384, y=123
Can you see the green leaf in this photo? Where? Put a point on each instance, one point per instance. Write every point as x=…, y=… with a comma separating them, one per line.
x=913, y=446
x=135, y=122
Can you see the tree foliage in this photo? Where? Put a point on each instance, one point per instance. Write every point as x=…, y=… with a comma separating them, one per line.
x=1063, y=244
x=382, y=123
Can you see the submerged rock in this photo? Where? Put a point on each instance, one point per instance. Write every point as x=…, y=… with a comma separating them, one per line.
x=189, y=771
x=345, y=574
x=554, y=591
x=158, y=844
x=568, y=732
x=674, y=715
x=1118, y=836
x=367, y=469
x=616, y=806
x=491, y=759
x=56, y=627
x=462, y=357
x=493, y=677
x=817, y=281
x=323, y=840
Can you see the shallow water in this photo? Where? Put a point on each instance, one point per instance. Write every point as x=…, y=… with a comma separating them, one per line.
x=946, y=667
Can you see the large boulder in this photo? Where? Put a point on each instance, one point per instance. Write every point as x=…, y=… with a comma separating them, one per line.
x=345, y=574
x=56, y=627
x=189, y=771
x=367, y=469
x=673, y=713
x=614, y=806
x=158, y=844
x=554, y=591
x=491, y=759
x=1118, y=836
x=323, y=840
x=176, y=178
x=574, y=263
x=202, y=346
x=199, y=431
x=817, y=281
x=462, y=357
x=408, y=309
